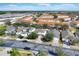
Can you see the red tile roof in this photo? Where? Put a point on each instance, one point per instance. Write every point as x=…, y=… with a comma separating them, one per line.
x=76, y=22
x=26, y=19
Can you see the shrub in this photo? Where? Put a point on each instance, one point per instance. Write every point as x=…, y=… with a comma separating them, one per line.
x=14, y=52
x=2, y=42
x=60, y=52
x=32, y=35
x=20, y=36
x=48, y=37
x=2, y=29
x=42, y=53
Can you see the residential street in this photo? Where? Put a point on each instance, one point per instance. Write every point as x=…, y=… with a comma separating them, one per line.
x=37, y=46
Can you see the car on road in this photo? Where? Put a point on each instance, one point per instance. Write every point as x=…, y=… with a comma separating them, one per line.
x=52, y=53
x=27, y=48
x=24, y=41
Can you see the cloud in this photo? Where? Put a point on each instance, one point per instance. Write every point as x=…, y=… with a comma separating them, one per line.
x=44, y=4
x=12, y=5
x=41, y=6
x=16, y=7
x=63, y=7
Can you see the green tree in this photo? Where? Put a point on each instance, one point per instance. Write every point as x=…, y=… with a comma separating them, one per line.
x=60, y=52
x=17, y=24
x=8, y=23
x=20, y=36
x=2, y=42
x=22, y=24
x=2, y=29
x=42, y=53
x=45, y=26
x=48, y=37
x=36, y=26
x=14, y=52
x=2, y=32
x=32, y=35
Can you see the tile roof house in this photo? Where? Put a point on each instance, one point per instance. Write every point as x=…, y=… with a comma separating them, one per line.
x=76, y=22
x=25, y=19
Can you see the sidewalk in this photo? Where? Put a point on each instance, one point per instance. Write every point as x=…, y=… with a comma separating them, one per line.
x=4, y=51
x=38, y=40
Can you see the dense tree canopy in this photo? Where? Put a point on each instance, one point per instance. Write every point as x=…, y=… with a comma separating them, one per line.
x=22, y=24
x=32, y=35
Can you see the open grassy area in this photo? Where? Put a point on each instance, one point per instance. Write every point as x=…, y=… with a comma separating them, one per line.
x=13, y=37
x=20, y=52
x=25, y=52
x=2, y=30
x=2, y=26
x=42, y=53
x=72, y=29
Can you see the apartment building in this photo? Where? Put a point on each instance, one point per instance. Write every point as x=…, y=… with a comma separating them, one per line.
x=50, y=20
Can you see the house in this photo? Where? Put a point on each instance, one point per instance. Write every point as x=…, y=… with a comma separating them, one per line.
x=2, y=23
x=41, y=31
x=10, y=30
x=20, y=30
x=76, y=23
x=24, y=31
x=13, y=20
x=31, y=30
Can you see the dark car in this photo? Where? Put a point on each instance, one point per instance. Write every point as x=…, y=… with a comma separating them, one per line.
x=27, y=48
x=52, y=53
x=24, y=41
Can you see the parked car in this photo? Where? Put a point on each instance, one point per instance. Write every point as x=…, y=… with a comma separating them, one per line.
x=68, y=42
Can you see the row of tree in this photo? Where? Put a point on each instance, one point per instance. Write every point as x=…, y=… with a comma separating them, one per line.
x=47, y=38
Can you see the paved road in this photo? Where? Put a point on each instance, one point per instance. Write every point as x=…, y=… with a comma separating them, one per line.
x=38, y=40
x=37, y=46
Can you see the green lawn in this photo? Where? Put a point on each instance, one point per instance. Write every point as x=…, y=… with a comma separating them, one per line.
x=2, y=27
x=25, y=52
x=73, y=29
x=20, y=52
x=13, y=37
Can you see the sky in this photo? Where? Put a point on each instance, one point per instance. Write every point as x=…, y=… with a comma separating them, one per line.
x=38, y=7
